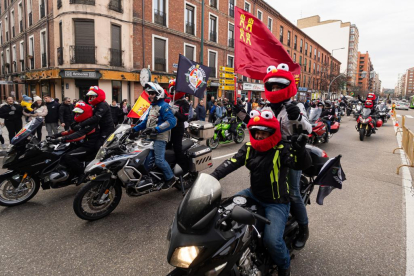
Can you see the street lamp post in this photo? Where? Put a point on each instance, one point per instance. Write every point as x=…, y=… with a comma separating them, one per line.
x=363, y=75
x=337, y=49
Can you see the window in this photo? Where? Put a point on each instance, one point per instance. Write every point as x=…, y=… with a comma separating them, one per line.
x=19, y=14
x=160, y=12
x=269, y=23
x=301, y=45
x=29, y=12
x=189, y=19
x=231, y=8
x=306, y=48
x=294, y=57
x=288, y=39
x=42, y=8
x=300, y=60
x=21, y=54
x=2, y=64
x=13, y=31
x=310, y=52
x=314, y=54
x=117, y=91
x=230, y=61
x=281, y=34
x=295, y=43
x=43, y=49
x=247, y=6
x=317, y=69
x=116, y=49
x=231, y=35
x=304, y=81
x=8, y=60
x=213, y=28
x=1, y=33
x=212, y=63
x=115, y=5
x=84, y=50
x=213, y=3
x=189, y=51
x=7, y=28
x=319, y=56
x=160, y=52
x=259, y=15
x=31, y=52
x=305, y=64
x=314, y=68
x=310, y=65
x=14, y=58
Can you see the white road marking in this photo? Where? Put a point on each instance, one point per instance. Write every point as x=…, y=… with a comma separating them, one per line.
x=409, y=207
x=408, y=116
x=398, y=115
x=219, y=157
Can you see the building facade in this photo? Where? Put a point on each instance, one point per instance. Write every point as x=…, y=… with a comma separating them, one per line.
x=409, y=82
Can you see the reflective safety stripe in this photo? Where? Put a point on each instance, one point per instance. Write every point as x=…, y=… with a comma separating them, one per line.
x=274, y=174
x=233, y=160
x=247, y=154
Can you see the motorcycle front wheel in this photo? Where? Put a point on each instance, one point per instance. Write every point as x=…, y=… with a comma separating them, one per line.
x=213, y=143
x=11, y=196
x=361, y=134
x=88, y=205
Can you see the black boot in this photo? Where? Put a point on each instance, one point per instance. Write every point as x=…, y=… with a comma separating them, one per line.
x=81, y=179
x=283, y=272
x=302, y=237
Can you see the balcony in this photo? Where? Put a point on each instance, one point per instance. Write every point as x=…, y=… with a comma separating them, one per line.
x=213, y=72
x=82, y=54
x=44, y=61
x=213, y=36
x=189, y=28
x=42, y=11
x=231, y=42
x=85, y=2
x=160, y=64
x=21, y=25
x=30, y=18
x=115, y=5
x=231, y=12
x=116, y=57
x=160, y=18
x=60, y=55
x=59, y=4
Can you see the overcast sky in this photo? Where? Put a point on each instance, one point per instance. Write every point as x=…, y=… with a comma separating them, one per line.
x=386, y=29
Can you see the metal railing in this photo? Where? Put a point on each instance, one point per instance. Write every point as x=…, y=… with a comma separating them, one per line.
x=189, y=28
x=85, y=2
x=160, y=17
x=42, y=11
x=82, y=54
x=30, y=18
x=44, y=61
x=59, y=4
x=115, y=5
x=116, y=57
x=231, y=42
x=60, y=55
x=160, y=64
x=213, y=36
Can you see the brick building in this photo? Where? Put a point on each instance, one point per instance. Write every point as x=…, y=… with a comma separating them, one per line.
x=365, y=66
x=66, y=46
x=409, y=82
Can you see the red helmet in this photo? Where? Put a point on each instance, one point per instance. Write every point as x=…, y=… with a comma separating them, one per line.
x=279, y=84
x=82, y=111
x=371, y=96
x=95, y=91
x=369, y=104
x=379, y=123
x=171, y=91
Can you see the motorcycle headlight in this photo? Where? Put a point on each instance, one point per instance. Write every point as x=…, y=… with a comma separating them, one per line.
x=101, y=153
x=184, y=256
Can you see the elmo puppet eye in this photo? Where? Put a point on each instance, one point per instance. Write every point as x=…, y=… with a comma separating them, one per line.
x=267, y=115
x=254, y=113
x=270, y=68
x=283, y=66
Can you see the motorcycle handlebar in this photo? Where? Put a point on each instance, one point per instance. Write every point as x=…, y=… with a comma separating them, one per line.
x=263, y=219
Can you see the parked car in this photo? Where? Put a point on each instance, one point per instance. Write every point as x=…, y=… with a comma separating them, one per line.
x=401, y=105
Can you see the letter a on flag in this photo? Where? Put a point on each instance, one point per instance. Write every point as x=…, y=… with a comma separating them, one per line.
x=256, y=48
x=140, y=106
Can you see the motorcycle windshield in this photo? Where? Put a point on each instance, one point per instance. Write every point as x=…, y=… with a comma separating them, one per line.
x=382, y=107
x=314, y=114
x=366, y=112
x=28, y=129
x=114, y=137
x=203, y=198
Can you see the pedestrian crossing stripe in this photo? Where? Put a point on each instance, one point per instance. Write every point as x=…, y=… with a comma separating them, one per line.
x=409, y=116
x=398, y=115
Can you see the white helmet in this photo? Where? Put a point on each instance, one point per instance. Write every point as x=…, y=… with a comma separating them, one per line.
x=155, y=87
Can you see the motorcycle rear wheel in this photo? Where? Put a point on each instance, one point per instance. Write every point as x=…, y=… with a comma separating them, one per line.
x=10, y=197
x=240, y=136
x=213, y=143
x=86, y=205
x=361, y=134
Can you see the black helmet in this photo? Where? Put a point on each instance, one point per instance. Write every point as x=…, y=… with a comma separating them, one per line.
x=328, y=103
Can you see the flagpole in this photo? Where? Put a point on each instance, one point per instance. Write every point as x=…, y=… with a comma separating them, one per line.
x=202, y=33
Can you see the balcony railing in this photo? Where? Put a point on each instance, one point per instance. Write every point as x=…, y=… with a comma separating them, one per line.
x=21, y=25
x=60, y=55
x=85, y=2
x=213, y=36
x=116, y=57
x=59, y=4
x=160, y=64
x=44, y=61
x=83, y=54
x=189, y=28
x=231, y=42
x=160, y=17
x=42, y=11
x=115, y=5
x=213, y=72
x=30, y=18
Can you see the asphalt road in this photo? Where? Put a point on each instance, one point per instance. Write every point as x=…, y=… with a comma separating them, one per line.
x=360, y=230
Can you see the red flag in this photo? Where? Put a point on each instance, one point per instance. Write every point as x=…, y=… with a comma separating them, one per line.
x=256, y=48
x=140, y=106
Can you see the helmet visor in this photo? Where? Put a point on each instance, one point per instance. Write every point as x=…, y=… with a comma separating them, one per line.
x=78, y=110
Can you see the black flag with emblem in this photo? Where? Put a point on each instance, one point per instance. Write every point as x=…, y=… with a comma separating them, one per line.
x=191, y=77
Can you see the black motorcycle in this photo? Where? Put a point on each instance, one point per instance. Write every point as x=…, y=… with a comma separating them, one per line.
x=383, y=112
x=129, y=163
x=32, y=164
x=211, y=236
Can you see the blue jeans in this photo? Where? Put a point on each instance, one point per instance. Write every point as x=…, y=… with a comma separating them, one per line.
x=278, y=215
x=160, y=162
x=328, y=122
x=298, y=208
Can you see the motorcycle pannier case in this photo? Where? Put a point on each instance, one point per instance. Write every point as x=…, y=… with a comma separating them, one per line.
x=201, y=130
x=201, y=158
x=335, y=127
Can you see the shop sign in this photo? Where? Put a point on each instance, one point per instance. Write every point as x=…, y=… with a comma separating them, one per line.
x=175, y=65
x=6, y=82
x=253, y=86
x=214, y=84
x=303, y=89
x=227, y=76
x=80, y=75
x=227, y=87
x=225, y=81
x=227, y=69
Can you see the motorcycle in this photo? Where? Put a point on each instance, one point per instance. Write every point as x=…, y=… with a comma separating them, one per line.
x=222, y=134
x=320, y=128
x=32, y=164
x=365, y=124
x=123, y=163
x=383, y=112
x=211, y=236
x=357, y=111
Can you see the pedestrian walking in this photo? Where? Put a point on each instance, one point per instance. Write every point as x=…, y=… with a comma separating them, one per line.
x=210, y=103
x=65, y=113
x=12, y=114
x=211, y=116
x=201, y=111
x=116, y=113
x=219, y=110
x=52, y=116
x=39, y=110
x=126, y=108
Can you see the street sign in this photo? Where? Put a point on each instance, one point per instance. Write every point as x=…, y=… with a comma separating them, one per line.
x=225, y=87
x=226, y=69
x=227, y=76
x=352, y=94
x=225, y=81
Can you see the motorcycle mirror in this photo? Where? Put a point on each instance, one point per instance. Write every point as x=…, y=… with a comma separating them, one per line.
x=243, y=216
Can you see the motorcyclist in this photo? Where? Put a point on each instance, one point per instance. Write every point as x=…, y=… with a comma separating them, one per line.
x=280, y=87
x=88, y=137
x=158, y=121
x=101, y=114
x=328, y=114
x=269, y=158
x=181, y=109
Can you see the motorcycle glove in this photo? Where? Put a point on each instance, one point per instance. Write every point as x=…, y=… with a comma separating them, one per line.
x=149, y=130
x=293, y=112
x=299, y=142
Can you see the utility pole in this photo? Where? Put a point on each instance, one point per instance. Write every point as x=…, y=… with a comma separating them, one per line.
x=202, y=33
